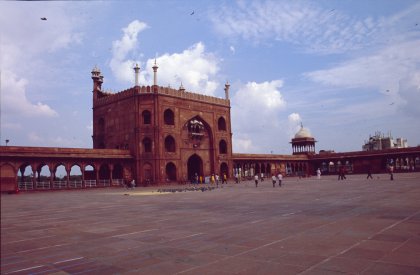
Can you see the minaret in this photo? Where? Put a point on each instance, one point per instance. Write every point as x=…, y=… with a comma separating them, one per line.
x=136, y=73
x=227, y=85
x=100, y=81
x=155, y=67
x=97, y=79
x=181, y=88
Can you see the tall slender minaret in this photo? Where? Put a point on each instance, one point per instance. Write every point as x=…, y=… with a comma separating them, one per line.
x=136, y=73
x=97, y=78
x=155, y=67
x=227, y=85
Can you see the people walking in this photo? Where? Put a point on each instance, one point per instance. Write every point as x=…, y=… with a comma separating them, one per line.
x=273, y=178
x=217, y=180
x=391, y=172
x=341, y=173
x=369, y=175
x=256, y=180
x=224, y=178
x=280, y=177
x=318, y=173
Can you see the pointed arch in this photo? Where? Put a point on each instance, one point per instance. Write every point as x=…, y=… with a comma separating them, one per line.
x=222, y=147
x=221, y=124
x=169, y=117
x=170, y=145
x=170, y=171
x=147, y=117
x=147, y=145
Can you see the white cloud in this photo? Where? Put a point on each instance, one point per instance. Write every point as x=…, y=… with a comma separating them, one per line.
x=391, y=71
x=25, y=36
x=35, y=138
x=256, y=108
x=260, y=97
x=294, y=121
x=381, y=70
x=194, y=67
x=308, y=25
x=410, y=93
x=14, y=101
x=12, y=126
x=120, y=65
x=294, y=22
x=232, y=49
x=242, y=144
x=90, y=126
x=42, y=139
x=27, y=45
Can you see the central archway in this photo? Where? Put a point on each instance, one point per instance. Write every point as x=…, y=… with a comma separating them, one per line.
x=195, y=166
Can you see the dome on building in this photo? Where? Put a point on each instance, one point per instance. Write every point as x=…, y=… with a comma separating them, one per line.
x=303, y=133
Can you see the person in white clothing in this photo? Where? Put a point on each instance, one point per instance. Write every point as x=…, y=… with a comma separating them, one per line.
x=318, y=173
x=280, y=177
x=273, y=178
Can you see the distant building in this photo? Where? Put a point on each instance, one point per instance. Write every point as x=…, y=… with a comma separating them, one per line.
x=381, y=142
x=303, y=142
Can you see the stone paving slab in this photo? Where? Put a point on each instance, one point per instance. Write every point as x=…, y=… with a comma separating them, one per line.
x=307, y=226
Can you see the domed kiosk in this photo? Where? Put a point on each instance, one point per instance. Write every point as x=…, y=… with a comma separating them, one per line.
x=303, y=142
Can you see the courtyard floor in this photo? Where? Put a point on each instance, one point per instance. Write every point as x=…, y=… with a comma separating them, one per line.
x=307, y=226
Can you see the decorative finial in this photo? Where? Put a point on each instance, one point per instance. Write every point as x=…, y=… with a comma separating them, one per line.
x=181, y=88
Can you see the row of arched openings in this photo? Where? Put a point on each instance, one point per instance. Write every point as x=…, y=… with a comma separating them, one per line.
x=57, y=177
x=251, y=169
x=171, y=170
x=335, y=166
x=169, y=119
x=170, y=145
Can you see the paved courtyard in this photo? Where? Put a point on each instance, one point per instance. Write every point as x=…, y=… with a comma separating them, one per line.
x=307, y=226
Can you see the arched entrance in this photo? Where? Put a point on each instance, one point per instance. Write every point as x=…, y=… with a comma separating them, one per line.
x=195, y=166
x=147, y=173
x=170, y=172
x=224, y=169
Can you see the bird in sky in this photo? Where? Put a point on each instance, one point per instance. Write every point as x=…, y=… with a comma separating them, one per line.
x=192, y=13
x=44, y=18
x=392, y=103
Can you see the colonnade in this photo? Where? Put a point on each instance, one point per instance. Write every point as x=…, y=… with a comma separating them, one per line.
x=68, y=175
x=303, y=148
x=248, y=168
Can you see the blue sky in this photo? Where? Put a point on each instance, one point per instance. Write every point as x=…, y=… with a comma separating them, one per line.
x=345, y=69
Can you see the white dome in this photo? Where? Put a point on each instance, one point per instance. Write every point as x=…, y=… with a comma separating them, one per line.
x=303, y=133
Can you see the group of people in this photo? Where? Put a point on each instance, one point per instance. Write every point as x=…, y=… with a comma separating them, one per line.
x=342, y=173
x=273, y=178
x=130, y=185
x=214, y=179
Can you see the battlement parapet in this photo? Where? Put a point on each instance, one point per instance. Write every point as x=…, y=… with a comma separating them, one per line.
x=106, y=98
